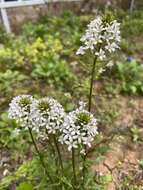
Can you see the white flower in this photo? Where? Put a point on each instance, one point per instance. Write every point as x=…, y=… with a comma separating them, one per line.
x=100, y=38
x=101, y=54
x=47, y=115
x=92, y=36
x=82, y=105
x=78, y=129
x=113, y=31
x=83, y=152
x=111, y=47
x=81, y=51
x=20, y=108
x=101, y=70
x=110, y=64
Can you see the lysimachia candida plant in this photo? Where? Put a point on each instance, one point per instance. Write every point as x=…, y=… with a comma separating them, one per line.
x=74, y=131
x=101, y=38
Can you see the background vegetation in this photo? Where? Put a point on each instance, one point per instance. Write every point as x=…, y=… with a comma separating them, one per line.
x=42, y=61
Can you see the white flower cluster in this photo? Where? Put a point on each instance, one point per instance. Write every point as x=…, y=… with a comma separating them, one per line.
x=46, y=116
x=43, y=115
x=20, y=108
x=101, y=38
x=78, y=129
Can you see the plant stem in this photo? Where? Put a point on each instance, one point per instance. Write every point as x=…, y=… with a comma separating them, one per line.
x=91, y=83
x=59, y=154
x=73, y=165
x=83, y=170
x=51, y=147
x=50, y=144
x=39, y=154
x=89, y=109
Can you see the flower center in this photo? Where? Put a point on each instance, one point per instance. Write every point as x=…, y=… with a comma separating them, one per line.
x=83, y=118
x=43, y=106
x=25, y=104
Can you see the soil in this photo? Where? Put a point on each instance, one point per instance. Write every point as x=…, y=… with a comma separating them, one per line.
x=122, y=159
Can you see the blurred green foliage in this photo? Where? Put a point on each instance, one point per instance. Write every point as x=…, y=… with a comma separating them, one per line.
x=127, y=78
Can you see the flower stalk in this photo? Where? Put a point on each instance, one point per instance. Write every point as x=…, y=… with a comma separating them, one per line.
x=89, y=109
x=73, y=166
x=59, y=154
x=39, y=154
x=91, y=83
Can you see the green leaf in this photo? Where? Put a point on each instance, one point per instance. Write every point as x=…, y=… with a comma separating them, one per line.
x=25, y=186
x=133, y=89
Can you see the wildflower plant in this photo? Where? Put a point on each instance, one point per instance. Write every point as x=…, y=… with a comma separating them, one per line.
x=101, y=38
x=20, y=110
x=48, y=114
x=78, y=129
x=75, y=131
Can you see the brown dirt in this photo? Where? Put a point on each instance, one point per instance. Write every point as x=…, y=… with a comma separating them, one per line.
x=123, y=157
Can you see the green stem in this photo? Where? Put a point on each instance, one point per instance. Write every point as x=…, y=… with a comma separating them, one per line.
x=73, y=165
x=83, y=170
x=59, y=154
x=91, y=84
x=50, y=144
x=89, y=109
x=39, y=154
x=51, y=147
